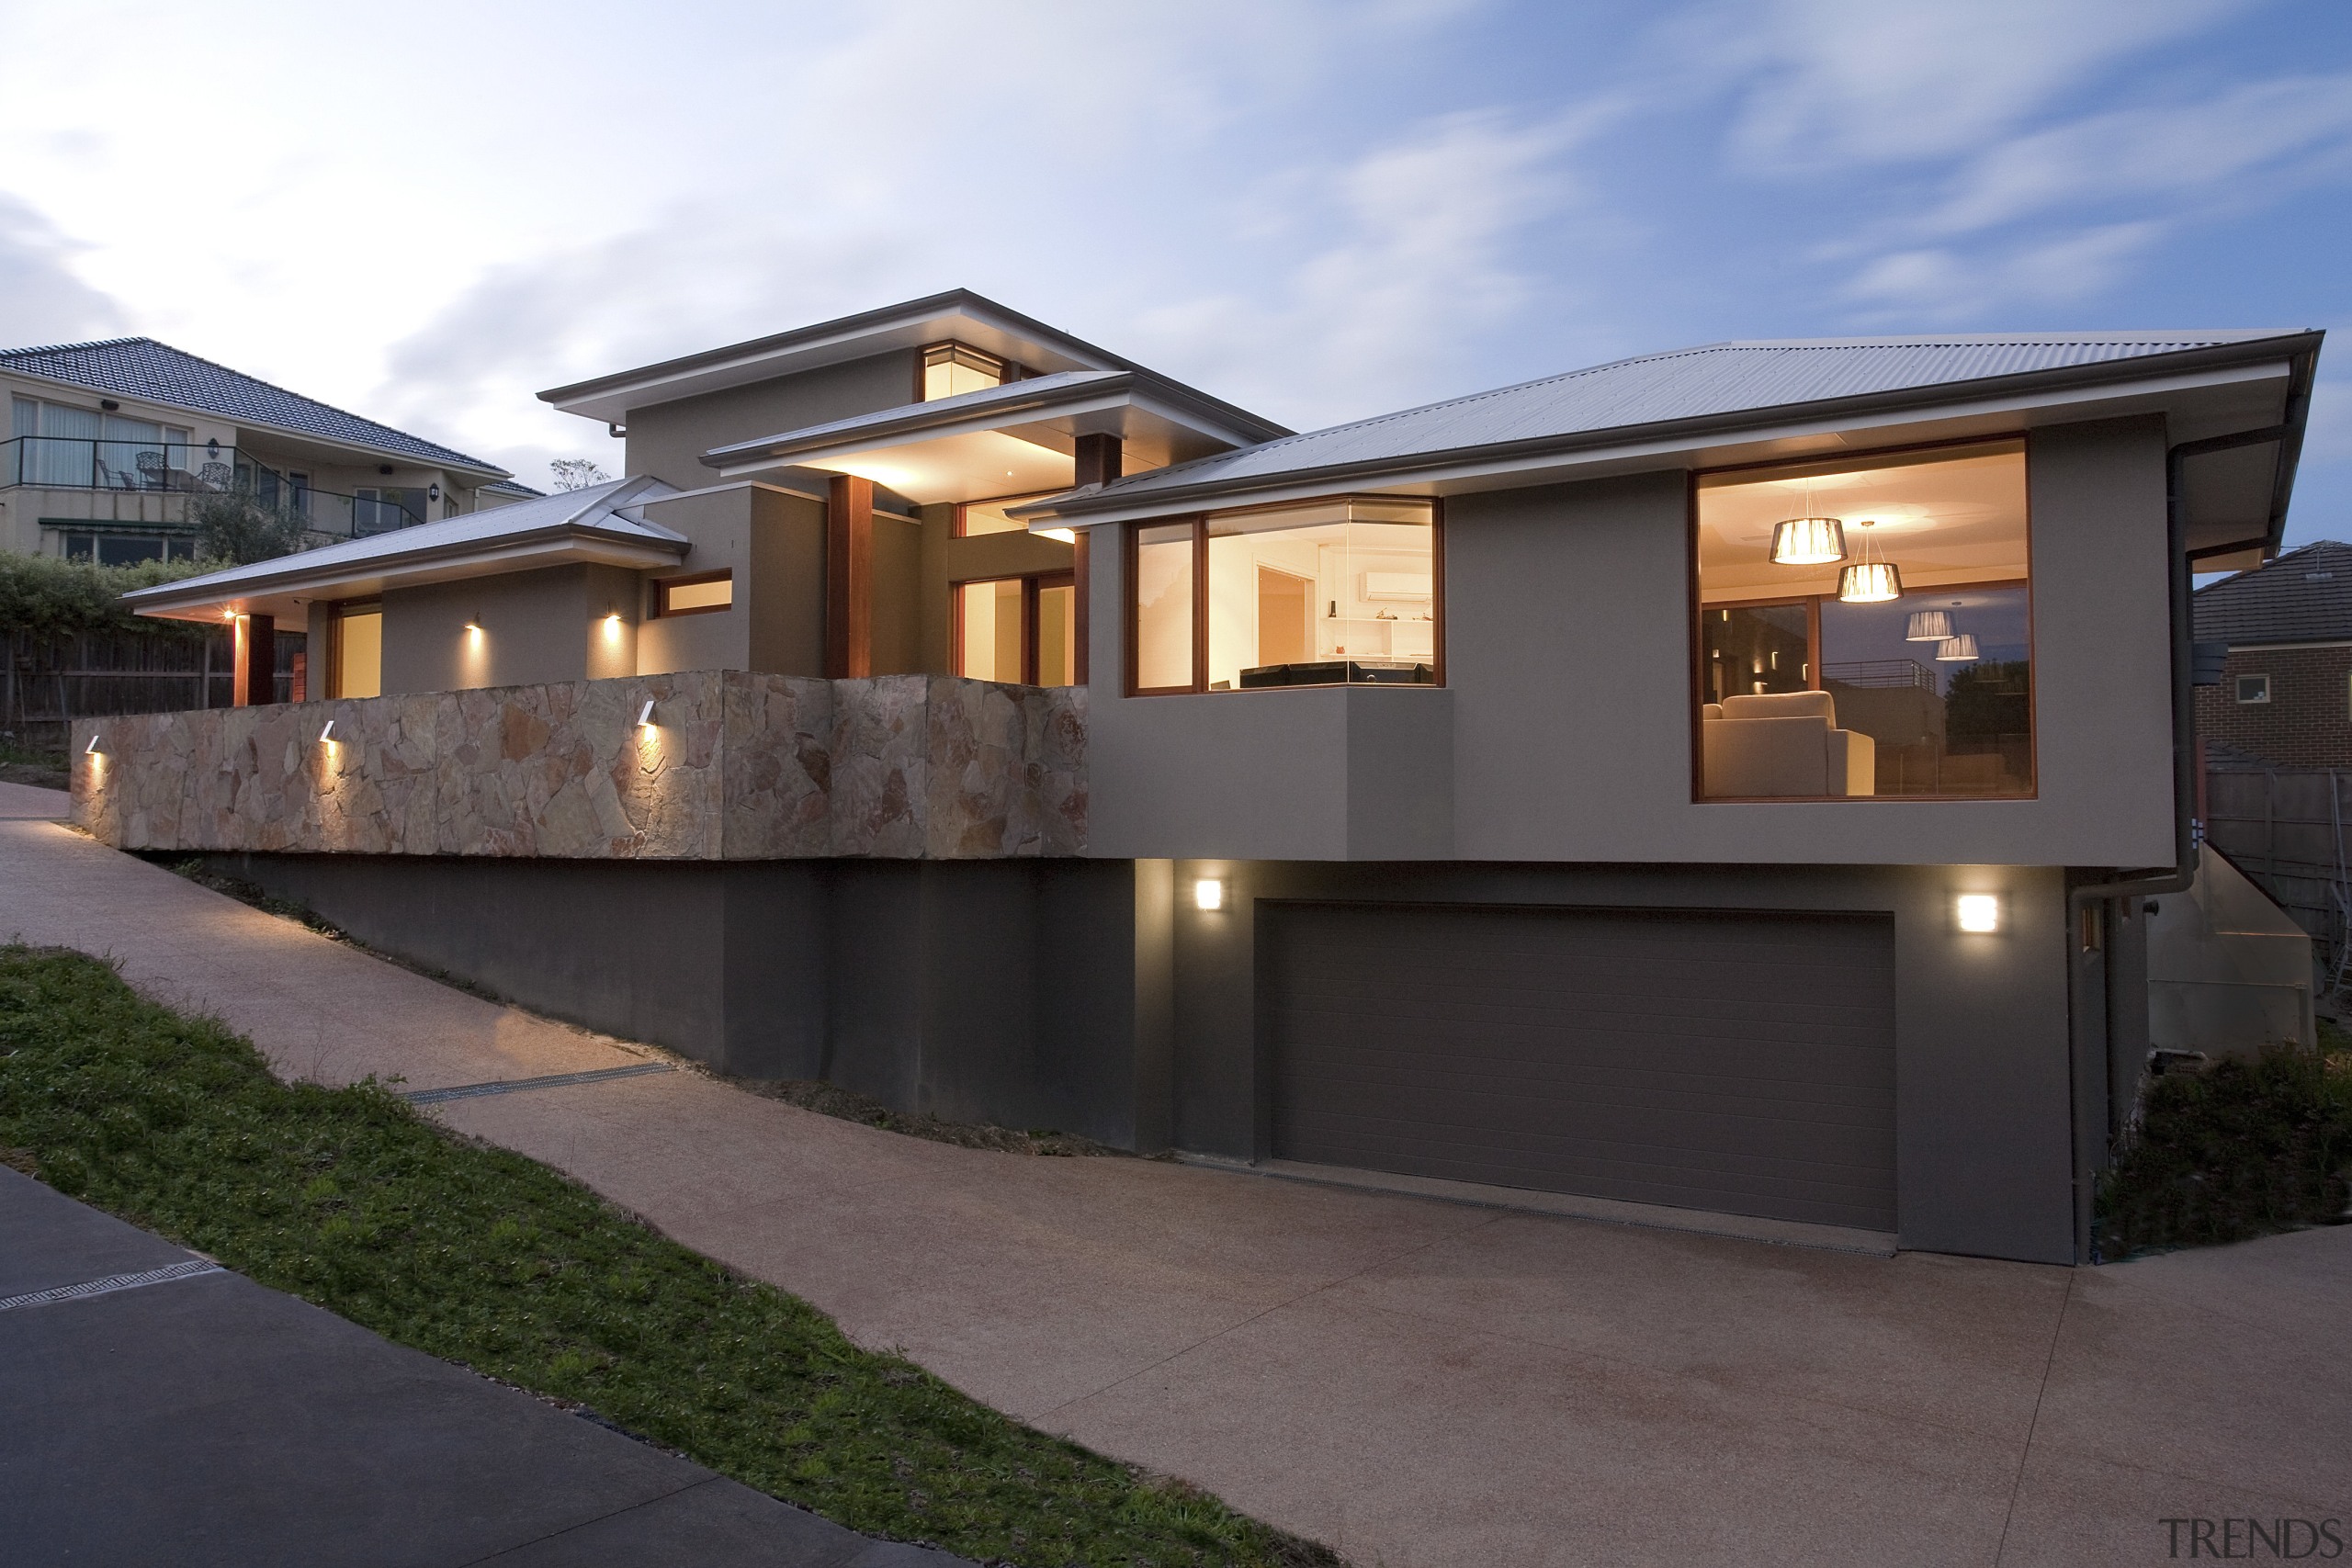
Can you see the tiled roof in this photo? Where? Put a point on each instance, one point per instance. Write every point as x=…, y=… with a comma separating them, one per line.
x=1663, y=389
x=2303, y=596
x=510, y=486
x=141, y=367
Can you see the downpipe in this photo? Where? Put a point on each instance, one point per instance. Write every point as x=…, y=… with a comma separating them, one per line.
x=2159, y=881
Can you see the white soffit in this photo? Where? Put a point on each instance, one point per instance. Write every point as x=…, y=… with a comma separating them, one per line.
x=973, y=466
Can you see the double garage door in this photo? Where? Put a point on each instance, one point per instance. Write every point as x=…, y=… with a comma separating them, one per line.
x=1733, y=1062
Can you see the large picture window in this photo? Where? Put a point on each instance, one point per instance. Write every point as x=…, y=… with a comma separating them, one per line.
x=1865, y=628
x=1328, y=592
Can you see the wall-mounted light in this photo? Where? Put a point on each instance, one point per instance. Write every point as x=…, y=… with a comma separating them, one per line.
x=1977, y=911
x=474, y=630
x=612, y=624
x=1208, y=893
x=212, y=447
x=227, y=615
x=91, y=749
x=433, y=491
x=645, y=715
x=326, y=736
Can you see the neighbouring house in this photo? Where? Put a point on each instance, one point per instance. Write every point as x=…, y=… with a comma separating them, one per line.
x=108, y=441
x=1726, y=780
x=2284, y=695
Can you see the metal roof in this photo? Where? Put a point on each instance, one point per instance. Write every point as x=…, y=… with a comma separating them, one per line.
x=2303, y=596
x=1685, y=385
x=606, y=510
x=141, y=367
x=957, y=313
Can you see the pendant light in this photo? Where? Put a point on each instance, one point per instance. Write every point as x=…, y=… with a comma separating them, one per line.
x=1960, y=650
x=1808, y=541
x=1868, y=580
x=1929, y=625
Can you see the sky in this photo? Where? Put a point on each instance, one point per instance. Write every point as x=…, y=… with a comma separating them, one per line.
x=1320, y=210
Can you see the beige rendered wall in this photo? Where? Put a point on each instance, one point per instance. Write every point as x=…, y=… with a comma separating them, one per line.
x=667, y=440
x=1568, y=660
x=774, y=542
x=537, y=626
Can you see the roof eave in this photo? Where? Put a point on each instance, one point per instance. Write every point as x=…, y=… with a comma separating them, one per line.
x=1111, y=505
x=171, y=599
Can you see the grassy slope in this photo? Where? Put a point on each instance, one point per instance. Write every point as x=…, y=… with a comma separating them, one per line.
x=347, y=1198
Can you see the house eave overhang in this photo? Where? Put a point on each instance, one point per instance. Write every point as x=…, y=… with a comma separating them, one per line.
x=283, y=432
x=2172, y=385
x=958, y=314
x=1141, y=410
x=281, y=591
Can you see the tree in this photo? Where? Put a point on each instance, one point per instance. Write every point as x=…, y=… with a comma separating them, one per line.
x=235, y=527
x=577, y=473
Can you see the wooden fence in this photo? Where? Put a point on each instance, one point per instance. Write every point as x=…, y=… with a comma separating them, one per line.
x=50, y=680
x=2289, y=829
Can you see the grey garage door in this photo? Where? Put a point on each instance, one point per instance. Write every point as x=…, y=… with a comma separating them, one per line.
x=1740, y=1063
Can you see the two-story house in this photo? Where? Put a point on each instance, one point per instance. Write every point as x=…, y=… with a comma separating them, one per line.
x=1725, y=781
x=107, y=443
x=2285, y=633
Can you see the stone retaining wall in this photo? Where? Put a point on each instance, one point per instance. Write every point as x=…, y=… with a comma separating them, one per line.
x=734, y=766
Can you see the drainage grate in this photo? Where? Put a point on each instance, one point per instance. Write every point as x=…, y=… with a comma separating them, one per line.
x=509, y=1086
x=111, y=1284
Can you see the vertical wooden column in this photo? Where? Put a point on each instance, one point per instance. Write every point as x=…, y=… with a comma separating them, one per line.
x=1099, y=462
x=255, y=674
x=849, y=576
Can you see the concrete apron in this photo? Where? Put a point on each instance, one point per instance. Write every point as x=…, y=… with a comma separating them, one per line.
x=1413, y=1381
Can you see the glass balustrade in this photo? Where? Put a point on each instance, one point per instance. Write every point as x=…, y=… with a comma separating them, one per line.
x=178, y=466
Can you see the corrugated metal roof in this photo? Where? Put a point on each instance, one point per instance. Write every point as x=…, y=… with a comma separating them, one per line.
x=2303, y=596
x=1661, y=388
x=141, y=367
x=607, y=508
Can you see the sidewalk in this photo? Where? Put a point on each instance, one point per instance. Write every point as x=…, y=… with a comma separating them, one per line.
x=201, y=1419
x=1413, y=1381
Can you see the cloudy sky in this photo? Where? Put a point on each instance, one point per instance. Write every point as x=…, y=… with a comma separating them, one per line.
x=1322, y=210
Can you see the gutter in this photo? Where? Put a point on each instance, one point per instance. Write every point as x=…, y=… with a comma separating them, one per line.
x=1146, y=498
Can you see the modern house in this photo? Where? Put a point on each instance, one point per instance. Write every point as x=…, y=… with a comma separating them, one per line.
x=2285, y=696
x=1725, y=779
x=108, y=441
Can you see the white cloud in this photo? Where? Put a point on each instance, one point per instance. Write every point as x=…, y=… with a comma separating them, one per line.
x=1949, y=286
x=42, y=301
x=2253, y=135
x=1843, y=82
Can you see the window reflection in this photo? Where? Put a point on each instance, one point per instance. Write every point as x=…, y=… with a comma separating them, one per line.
x=1809, y=688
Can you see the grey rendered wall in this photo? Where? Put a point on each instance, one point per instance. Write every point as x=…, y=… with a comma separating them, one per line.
x=997, y=991
x=667, y=440
x=536, y=627
x=1983, y=1140
x=1568, y=669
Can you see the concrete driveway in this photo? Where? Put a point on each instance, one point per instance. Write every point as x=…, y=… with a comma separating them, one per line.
x=1413, y=1381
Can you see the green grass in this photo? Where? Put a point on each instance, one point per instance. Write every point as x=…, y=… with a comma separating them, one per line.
x=2246, y=1148
x=347, y=1198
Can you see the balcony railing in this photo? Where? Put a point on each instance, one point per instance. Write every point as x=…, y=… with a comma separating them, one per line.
x=57, y=462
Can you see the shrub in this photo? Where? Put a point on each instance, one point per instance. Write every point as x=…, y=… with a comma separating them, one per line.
x=2247, y=1149
x=49, y=597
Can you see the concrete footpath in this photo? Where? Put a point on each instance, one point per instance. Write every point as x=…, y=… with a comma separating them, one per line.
x=156, y=1408
x=1412, y=1381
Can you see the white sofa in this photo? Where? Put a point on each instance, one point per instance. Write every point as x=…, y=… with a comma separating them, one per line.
x=1784, y=743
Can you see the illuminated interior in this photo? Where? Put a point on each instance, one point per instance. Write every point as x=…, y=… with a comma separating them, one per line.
x=685, y=598
x=1022, y=630
x=359, y=651
x=1815, y=683
x=950, y=369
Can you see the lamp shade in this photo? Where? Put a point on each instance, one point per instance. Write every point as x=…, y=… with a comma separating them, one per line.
x=1929, y=625
x=1957, y=650
x=1808, y=541
x=1869, y=583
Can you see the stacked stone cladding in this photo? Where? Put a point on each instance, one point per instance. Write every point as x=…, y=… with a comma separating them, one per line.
x=733, y=766
x=2307, y=723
